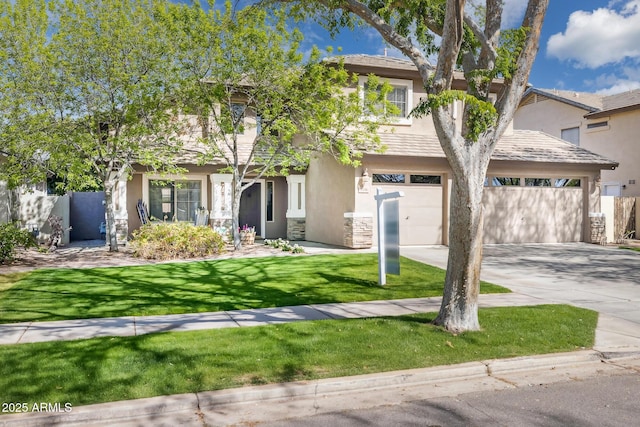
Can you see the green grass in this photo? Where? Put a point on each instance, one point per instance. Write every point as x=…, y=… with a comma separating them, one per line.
x=192, y=287
x=631, y=248
x=109, y=369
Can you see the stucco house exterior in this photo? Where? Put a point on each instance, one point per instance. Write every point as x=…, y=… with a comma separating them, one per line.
x=539, y=187
x=605, y=124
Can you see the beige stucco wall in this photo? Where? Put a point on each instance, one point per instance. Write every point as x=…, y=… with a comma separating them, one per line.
x=618, y=141
x=36, y=208
x=330, y=193
x=134, y=193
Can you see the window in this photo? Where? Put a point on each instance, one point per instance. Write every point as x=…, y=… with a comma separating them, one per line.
x=498, y=181
x=237, y=117
x=269, y=197
x=571, y=135
x=171, y=200
x=537, y=182
x=597, y=125
x=400, y=96
x=425, y=179
x=389, y=178
x=566, y=182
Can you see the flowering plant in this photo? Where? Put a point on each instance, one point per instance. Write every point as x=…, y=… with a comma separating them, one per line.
x=246, y=229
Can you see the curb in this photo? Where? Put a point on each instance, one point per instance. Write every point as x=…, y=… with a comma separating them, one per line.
x=192, y=404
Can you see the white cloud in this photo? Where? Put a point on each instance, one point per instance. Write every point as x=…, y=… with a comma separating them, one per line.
x=604, y=36
x=619, y=87
x=611, y=83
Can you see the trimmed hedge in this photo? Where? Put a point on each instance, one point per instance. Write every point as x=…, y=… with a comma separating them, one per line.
x=176, y=240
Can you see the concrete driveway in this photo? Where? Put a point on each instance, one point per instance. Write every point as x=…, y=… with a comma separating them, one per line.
x=605, y=279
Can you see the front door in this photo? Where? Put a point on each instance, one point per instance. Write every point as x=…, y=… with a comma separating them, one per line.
x=250, y=208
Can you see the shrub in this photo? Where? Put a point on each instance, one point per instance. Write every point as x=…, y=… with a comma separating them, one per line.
x=173, y=240
x=12, y=238
x=285, y=245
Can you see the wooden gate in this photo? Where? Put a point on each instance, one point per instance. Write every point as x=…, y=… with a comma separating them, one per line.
x=624, y=218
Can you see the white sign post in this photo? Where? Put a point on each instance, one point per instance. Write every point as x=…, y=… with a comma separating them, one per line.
x=388, y=239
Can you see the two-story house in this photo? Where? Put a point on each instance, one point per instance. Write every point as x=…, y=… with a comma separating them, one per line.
x=539, y=187
x=607, y=125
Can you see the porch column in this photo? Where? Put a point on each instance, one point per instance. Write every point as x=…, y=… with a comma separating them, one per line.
x=221, y=202
x=120, y=213
x=296, y=208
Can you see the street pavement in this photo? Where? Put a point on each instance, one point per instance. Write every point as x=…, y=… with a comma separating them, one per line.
x=600, y=278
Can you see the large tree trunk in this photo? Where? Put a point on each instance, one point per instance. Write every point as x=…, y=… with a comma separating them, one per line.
x=459, y=309
x=112, y=237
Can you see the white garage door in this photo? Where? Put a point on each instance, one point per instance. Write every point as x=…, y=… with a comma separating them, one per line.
x=420, y=208
x=533, y=214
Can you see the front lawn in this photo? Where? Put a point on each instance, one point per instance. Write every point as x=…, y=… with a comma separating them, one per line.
x=193, y=287
x=110, y=369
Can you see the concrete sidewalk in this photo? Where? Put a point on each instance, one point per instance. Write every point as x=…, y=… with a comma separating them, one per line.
x=30, y=332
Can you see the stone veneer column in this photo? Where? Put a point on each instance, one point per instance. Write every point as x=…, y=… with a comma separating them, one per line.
x=296, y=228
x=296, y=207
x=358, y=230
x=221, y=199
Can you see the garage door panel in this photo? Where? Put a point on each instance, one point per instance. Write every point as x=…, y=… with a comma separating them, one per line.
x=420, y=213
x=533, y=215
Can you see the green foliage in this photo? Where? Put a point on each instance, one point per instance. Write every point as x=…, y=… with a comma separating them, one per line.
x=177, y=240
x=121, y=368
x=482, y=115
x=511, y=45
x=13, y=238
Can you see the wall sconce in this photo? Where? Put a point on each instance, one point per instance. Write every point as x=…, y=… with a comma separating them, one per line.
x=364, y=181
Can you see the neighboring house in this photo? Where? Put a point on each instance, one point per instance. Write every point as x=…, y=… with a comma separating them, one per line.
x=607, y=125
x=539, y=188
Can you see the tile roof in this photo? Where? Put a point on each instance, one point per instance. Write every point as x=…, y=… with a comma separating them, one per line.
x=595, y=104
x=377, y=61
x=521, y=145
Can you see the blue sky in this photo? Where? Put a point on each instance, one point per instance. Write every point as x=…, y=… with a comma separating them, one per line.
x=586, y=45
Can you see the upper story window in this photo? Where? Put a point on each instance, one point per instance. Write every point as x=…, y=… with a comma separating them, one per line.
x=401, y=96
x=598, y=125
x=571, y=135
x=237, y=116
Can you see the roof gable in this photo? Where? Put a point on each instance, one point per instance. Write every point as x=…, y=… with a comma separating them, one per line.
x=594, y=104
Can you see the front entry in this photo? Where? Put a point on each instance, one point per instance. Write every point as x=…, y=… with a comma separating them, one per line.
x=251, y=208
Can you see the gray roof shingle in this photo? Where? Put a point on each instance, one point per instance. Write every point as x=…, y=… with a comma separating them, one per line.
x=521, y=145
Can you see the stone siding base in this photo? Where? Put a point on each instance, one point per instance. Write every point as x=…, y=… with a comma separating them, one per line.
x=296, y=228
x=358, y=231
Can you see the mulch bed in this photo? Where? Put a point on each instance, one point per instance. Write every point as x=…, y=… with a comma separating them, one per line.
x=78, y=256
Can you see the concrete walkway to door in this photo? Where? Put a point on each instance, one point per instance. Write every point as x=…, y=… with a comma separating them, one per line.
x=604, y=279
